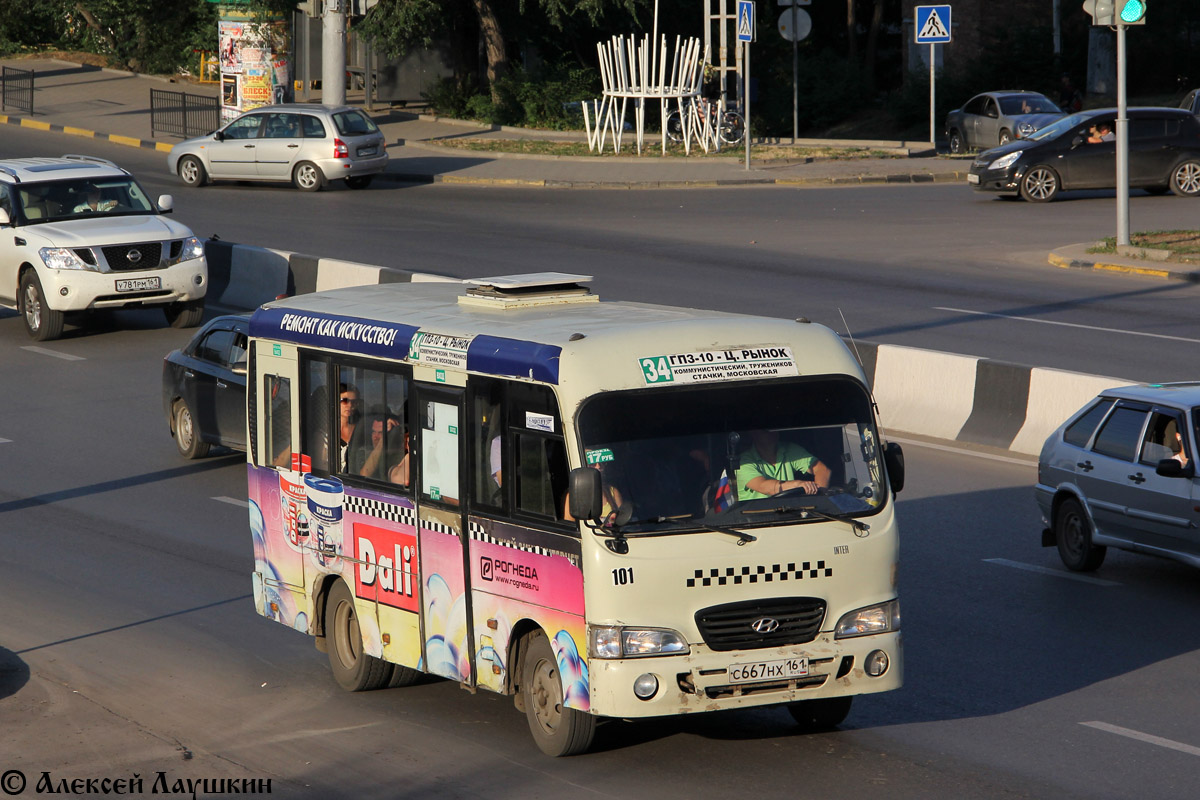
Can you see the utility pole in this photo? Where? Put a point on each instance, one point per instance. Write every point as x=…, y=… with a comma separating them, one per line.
x=333, y=53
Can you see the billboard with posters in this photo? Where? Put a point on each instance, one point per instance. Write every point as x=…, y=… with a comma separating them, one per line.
x=254, y=64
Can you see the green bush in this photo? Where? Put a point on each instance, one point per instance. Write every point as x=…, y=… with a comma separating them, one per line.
x=546, y=98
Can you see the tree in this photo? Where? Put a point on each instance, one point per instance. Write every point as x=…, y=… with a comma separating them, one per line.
x=397, y=26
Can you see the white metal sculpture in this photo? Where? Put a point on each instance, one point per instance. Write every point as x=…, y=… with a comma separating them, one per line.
x=646, y=70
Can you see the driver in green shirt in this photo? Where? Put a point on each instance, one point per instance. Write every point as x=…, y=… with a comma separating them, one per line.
x=770, y=467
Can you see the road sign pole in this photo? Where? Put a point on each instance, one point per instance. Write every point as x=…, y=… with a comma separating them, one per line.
x=795, y=75
x=746, y=95
x=1122, y=144
x=932, y=94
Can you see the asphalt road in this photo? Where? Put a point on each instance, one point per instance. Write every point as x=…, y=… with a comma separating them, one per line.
x=129, y=644
x=932, y=266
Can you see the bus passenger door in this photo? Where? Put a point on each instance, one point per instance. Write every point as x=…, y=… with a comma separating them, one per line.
x=276, y=487
x=445, y=598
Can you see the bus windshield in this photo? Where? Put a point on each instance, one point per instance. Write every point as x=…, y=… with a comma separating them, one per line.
x=737, y=454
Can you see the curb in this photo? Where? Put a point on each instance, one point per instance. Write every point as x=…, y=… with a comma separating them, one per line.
x=128, y=141
x=1066, y=262
x=554, y=183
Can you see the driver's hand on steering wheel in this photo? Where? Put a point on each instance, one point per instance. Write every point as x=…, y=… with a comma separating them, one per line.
x=809, y=487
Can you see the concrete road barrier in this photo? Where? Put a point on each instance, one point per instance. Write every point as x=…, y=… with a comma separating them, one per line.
x=944, y=395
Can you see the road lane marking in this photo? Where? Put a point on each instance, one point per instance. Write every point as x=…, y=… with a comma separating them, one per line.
x=5, y=441
x=46, y=351
x=1057, y=573
x=1144, y=737
x=233, y=501
x=1024, y=462
x=1067, y=324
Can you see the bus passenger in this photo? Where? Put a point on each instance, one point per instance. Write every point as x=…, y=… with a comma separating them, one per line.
x=348, y=417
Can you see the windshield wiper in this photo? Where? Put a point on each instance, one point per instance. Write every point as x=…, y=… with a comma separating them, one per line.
x=741, y=536
x=860, y=528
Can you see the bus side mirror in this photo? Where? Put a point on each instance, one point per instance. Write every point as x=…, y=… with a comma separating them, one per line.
x=585, y=493
x=893, y=459
x=4, y=218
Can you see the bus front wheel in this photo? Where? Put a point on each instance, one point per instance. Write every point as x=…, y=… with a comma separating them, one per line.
x=354, y=670
x=557, y=730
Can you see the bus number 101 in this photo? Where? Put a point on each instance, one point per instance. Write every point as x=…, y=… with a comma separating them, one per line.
x=622, y=576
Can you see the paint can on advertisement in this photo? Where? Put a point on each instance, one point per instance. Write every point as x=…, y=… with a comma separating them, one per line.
x=295, y=522
x=325, y=497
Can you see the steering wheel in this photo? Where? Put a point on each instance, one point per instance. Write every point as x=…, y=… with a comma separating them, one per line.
x=822, y=491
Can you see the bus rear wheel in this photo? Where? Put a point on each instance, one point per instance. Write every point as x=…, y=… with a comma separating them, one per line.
x=354, y=670
x=820, y=715
x=557, y=730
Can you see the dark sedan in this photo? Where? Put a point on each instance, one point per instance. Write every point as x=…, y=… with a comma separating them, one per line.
x=993, y=118
x=204, y=388
x=1164, y=155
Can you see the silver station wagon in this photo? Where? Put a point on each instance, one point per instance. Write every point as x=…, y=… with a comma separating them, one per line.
x=305, y=143
x=1121, y=473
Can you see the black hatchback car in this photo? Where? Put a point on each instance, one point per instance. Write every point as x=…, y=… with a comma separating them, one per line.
x=1164, y=155
x=204, y=388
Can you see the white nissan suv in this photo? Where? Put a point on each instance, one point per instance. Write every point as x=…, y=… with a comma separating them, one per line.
x=79, y=233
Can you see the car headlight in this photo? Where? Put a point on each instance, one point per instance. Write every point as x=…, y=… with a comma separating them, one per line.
x=1025, y=128
x=608, y=641
x=870, y=620
x=192, y=248
x=1004, y=162
x=64, y=258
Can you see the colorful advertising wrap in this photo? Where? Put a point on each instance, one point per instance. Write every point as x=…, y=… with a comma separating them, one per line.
x=252, y=75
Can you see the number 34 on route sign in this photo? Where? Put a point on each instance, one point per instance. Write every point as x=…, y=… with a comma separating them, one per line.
x=932, y=24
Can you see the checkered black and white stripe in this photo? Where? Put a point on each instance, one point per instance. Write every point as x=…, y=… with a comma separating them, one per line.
x=401, y=515
x=760, y=574
x=478, y=534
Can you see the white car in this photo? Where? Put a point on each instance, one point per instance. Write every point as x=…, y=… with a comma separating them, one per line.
x=78, y=233
x=305, y=143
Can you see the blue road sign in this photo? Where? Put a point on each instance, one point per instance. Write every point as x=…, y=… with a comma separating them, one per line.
x=745, y=20
x=933, y=24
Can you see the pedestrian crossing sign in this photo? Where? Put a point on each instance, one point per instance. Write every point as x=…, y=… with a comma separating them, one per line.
x=932, y=24
x=745, y=20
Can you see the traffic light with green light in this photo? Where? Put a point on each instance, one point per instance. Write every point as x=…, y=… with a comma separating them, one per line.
x=1133, y=12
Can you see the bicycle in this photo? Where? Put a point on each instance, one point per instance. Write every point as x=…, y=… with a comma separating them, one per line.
x=704, y=116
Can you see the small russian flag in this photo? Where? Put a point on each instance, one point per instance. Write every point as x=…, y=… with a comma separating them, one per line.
x=723, y=499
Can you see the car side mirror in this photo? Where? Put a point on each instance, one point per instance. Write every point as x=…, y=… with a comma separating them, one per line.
x=4, y=218
x=1078, y=140
x=585, y=493
x=238, y=367
x=1170, y=468
x=219, y=135
x=166, y=204
x=893, y=460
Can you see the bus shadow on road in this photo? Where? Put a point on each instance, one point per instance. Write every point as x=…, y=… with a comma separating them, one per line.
x=14, y=673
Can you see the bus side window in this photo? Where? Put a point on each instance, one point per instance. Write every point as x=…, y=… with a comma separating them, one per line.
x=541, y=474
x=316, y=415
x=488, y=444
x=279, y=420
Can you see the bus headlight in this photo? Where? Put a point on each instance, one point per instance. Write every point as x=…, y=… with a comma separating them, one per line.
x=610, y=641
x=870, y=620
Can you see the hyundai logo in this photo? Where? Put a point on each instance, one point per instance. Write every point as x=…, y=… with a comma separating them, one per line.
x=765, y=625
x=134, y=256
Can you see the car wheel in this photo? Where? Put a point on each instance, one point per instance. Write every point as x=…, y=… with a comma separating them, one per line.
x=957, y=145
x=192, y=172
x=187, y=438
x=1073, y=532
x=675, y=127
x=307, y=177
x=184, y=315
x=1040, y=185
x=354, y=670
x=1185, y=179
x=820, y=715
x=1005, y=136
x=558, y=730
x=359, y=181
x=41, y=322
